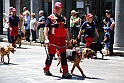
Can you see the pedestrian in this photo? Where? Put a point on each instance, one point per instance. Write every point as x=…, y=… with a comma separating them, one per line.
x=89, y=28
x=106, y=39
x=72, y=18
x=13, y=26
x=83, y=18
x=24, y=11
x=22, y=17
x=41, y=25
x=33, y=27
x=76, y=27
x=27, y=25
x=109, y=22
x=8, y=31
x=56, y=32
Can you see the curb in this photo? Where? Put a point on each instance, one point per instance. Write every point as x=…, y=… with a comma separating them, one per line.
x=25, y=43
x=117, y=50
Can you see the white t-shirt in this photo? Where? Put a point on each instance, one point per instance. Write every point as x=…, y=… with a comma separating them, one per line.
x=33, y=20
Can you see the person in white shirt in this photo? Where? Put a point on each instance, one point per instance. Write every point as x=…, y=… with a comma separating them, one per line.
x=33, y=25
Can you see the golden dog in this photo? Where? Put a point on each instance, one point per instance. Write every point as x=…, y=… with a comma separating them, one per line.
x=6, y=51
x=75, y=57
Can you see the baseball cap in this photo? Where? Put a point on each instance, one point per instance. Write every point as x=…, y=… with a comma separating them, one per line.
x=73, y=11
x=108, y=11
x=14, y=9
x=89, y=15
x=76, y=12
x=58, y=4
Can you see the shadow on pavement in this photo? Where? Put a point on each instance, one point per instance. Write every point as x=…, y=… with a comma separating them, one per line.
x=8, y=64
x=22, y=48
x=74, y=77
x=94, y=78
x=77, y=77
x=101, y=59
x=59, y=78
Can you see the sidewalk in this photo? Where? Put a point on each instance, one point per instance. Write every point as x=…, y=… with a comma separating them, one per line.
x=119, y=51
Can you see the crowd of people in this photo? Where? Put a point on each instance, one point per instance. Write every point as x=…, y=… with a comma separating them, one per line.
x=87, y=25
x=25, y=22
x=53, y=32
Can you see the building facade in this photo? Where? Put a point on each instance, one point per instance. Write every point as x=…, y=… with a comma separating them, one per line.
x=96, y=7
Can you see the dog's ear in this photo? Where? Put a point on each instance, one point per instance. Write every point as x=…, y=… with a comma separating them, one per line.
x=71, y=40
x=2, y=49
x=8, y=45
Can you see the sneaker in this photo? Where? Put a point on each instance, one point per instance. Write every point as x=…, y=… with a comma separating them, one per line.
x=47, y=73
x=67, y=76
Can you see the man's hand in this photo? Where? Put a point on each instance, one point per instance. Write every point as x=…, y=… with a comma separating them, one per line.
x=10, y=28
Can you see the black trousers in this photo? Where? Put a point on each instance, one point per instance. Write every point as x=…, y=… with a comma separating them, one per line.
x=63, y=59
x=33, y=35
x=27, y=33
x=111, y=47
x=74, y=32
x=111, y=42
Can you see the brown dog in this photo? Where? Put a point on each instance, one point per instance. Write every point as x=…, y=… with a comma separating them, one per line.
x=74, y=43
x=21, y=35
x=75, y=57
x=6, y=51
x=88, y=53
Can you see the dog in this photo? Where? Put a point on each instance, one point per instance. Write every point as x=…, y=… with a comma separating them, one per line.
x=20, y=37
x=74, y=43
x=6, y=51
x=75, y=57
x=96, y=46
x=87, y=53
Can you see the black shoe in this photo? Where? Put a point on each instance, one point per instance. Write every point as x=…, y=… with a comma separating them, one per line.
x=67, y=76
x=42, y=42
x=47, y=73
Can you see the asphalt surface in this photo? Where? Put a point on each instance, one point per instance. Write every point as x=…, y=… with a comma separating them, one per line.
x=26, y=66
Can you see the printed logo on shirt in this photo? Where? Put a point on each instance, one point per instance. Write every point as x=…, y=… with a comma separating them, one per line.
x=88, y=26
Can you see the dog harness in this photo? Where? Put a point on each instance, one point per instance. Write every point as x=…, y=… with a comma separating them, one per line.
x=70, y=54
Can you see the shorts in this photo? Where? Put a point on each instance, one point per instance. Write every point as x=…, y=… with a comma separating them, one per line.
x=107, y=45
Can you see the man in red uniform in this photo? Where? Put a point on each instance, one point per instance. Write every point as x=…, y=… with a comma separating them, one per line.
x=55, y=33
x=13, y=26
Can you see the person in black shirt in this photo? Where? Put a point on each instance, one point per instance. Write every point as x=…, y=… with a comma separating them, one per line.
x=13, y=26
x=109, y=22
x=89, y=28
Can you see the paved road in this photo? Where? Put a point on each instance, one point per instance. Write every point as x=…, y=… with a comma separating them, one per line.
x=26, y=66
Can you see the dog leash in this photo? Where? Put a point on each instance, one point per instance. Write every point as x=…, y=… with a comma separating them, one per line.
x=52, y=45
x=47, y=53
x=58, y=46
